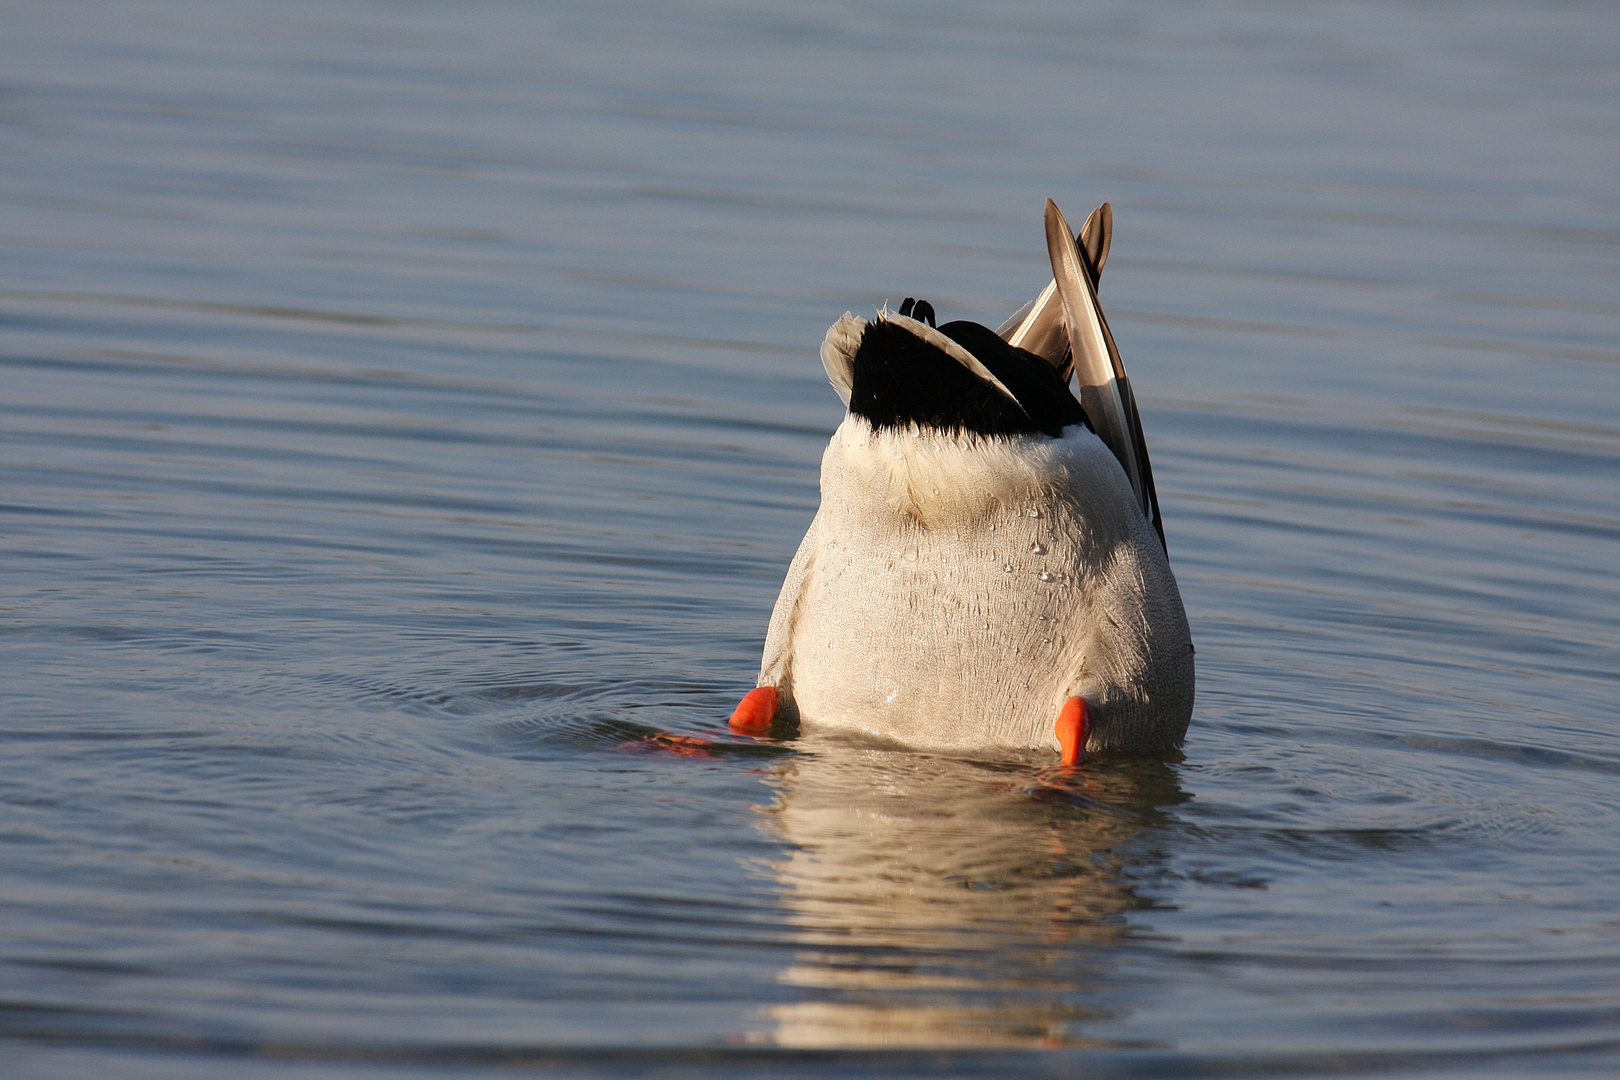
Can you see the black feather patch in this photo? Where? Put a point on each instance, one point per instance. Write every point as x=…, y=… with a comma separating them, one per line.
x=1038, y=387
x=921, y=310
x=900, y=380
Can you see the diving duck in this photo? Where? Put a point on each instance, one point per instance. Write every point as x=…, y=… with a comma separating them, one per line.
x=987, y=571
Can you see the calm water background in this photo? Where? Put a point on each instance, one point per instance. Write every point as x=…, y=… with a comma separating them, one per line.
x=404, y=406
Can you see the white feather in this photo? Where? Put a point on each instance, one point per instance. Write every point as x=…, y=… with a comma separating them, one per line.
x=953, y=591
x=838, y=353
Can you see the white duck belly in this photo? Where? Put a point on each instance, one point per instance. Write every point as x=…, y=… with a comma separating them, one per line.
x=955, y=590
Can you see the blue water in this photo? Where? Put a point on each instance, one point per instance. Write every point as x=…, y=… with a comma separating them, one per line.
x=407, y=409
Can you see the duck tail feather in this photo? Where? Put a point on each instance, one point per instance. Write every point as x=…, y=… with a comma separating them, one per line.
x=1105, y=391
x=1038, y=325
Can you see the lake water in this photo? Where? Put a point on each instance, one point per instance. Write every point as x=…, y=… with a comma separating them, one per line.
x=407, y=408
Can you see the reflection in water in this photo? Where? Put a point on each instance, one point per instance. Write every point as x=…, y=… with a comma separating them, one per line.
x=941, y=902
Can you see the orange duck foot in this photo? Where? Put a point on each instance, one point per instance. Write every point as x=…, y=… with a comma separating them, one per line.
x=1073, y=727
x=683, y=745
x=756, y=712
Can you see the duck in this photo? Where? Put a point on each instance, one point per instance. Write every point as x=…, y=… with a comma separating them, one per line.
x=987, y=571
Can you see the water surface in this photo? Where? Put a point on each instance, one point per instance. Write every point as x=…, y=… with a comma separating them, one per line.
x=406, y=410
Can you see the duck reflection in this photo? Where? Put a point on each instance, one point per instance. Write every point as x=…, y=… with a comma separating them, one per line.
x=949, y=903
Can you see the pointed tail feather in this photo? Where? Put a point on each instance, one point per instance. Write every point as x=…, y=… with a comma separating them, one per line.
x=1105, y=391
x=1038, y=325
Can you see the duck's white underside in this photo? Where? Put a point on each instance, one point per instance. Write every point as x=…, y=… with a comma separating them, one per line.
x=954, y=591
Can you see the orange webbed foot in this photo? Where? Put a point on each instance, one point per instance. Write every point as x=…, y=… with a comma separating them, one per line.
x=681, y=745
x=756, y=712
x=1073, y=726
